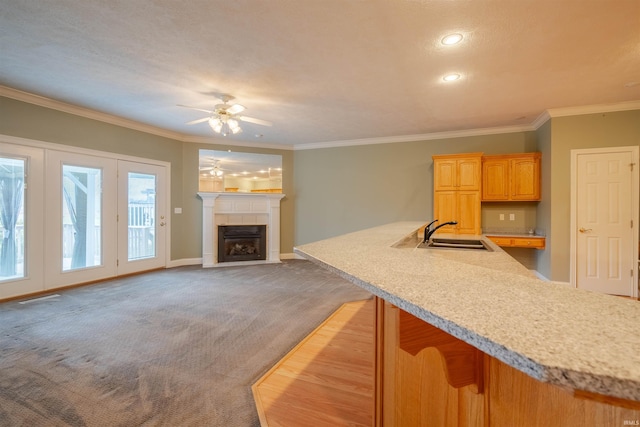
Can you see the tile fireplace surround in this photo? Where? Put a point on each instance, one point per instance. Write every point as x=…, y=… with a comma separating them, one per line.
x=239, y=209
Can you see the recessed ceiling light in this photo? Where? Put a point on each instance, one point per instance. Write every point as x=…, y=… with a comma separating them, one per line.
x=452, y=39
x=451, y=77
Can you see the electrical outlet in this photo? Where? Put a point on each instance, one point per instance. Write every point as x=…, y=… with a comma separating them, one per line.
x=501, y=217
x=512, y=217
x=177, y=210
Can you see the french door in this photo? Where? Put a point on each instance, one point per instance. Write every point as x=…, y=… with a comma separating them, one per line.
x=70, y=217
x=141, y=217
x=81, y=195
x=21, y=220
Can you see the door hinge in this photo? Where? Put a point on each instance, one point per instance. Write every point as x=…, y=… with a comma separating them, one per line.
x=118, y=264
x=632, y=165
x=631, y=272
x=117, y=218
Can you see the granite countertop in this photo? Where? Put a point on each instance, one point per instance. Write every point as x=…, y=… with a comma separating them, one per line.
x=571, y=338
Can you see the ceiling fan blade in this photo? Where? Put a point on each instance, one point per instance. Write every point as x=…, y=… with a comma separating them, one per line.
x=195, y=108
x=193, y=122
x=235, y=109
x=255, y=121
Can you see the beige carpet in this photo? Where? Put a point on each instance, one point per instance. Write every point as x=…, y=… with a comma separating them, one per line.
x=178, y=347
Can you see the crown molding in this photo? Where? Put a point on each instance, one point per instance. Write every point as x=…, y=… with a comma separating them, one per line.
x=541, y=119
x=85, y=112
x=594, y=109
x=231, y=143
x=413, y=138
x=131, y=124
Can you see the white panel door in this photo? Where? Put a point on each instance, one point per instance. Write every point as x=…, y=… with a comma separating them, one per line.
x=21, y=220
x=604, y=240
x=80, y=218
x=142, y=216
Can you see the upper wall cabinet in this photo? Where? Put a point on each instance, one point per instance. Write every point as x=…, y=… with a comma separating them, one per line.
x=511, y=177
x=457, y=172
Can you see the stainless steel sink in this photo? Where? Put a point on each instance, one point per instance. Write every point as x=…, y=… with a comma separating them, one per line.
x=442, y=243
x=437, y=242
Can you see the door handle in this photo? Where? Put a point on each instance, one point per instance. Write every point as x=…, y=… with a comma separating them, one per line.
x=584, y=230
x=162, y=224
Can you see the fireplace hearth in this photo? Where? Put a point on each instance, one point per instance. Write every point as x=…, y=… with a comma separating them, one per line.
x=242, y=243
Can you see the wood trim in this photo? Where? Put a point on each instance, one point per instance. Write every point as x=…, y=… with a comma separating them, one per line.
x=463, y=362
x=609, y=400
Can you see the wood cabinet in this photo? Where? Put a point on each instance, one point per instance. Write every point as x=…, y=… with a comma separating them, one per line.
x=426, y=377
x=518, y=242
x=457, y=180
x=457, y=171
x=511, y=177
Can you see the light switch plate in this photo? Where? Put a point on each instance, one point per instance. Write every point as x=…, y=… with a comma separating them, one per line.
x=512, y=217
x=177, y=210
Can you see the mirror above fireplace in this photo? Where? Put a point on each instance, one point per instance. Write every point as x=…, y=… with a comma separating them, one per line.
x=228, y=171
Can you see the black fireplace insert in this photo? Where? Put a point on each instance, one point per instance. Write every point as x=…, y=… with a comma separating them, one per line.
x=242, y=243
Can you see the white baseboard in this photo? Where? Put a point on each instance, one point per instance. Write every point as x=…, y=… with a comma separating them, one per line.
x=182, y=262
x=196, y=261
x=290, y=256
x=556, y=282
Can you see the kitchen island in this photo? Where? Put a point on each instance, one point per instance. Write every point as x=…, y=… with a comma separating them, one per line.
x=471, y=337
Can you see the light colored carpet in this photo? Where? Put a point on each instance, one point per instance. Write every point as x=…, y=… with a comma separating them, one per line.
x=177, y=347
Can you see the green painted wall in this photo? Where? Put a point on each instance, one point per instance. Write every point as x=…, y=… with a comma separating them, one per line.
x=340, y=190
x=543, y=214
x=617, y=129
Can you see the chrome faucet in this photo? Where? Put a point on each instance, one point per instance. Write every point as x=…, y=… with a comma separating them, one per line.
x=427, y=230
x=427, y=235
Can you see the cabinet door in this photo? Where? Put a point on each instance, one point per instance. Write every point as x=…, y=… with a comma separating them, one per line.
x=468, y=212
x=525, y=178
x=469, y=173
x=495, y=180
x=444, y=174
x=445, y=209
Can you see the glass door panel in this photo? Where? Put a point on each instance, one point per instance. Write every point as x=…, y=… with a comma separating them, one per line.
x=142, y=222
x=81, y=217
x=12, y=179
x=141, y=215
x=80, y=224
x=21, y=219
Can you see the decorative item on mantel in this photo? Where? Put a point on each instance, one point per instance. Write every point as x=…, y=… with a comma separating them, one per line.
x=224, y=209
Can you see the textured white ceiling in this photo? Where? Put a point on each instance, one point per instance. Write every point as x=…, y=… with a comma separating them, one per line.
x=329, y=70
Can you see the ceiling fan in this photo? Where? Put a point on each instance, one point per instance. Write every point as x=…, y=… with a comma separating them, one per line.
x=214, y=170
x=224, y=118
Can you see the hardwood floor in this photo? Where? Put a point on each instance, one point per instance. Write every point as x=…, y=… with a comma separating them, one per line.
x=328, y=378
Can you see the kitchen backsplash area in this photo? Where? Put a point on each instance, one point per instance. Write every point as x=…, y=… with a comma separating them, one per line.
x=510, y=218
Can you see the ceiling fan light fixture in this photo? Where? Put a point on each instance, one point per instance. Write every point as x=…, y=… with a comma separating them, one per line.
x=451, y=39
x=216, y=124
x=451, y=77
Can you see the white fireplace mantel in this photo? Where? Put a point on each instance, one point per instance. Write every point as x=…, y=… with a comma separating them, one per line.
x=239, y=209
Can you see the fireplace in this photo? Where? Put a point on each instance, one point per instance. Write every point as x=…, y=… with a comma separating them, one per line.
x=231, y=209
x=242, y=243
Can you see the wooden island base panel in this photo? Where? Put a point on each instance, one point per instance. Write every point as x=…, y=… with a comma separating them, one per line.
x=427, y=377
x=424, y=377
